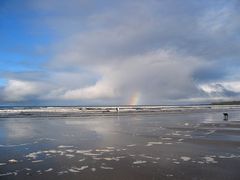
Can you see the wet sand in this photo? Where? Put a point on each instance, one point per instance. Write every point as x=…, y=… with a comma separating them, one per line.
x=184, y=145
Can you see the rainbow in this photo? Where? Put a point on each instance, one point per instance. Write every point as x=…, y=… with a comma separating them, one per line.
x=134, y=99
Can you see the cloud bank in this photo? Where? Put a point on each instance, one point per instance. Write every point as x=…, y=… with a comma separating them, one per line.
x=167, y=52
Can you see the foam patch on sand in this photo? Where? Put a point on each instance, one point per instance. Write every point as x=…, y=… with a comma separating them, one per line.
x=12, y=161
x=139, y=162
x=69, y=155
x=14, y=145
x=110, y=147
x=176, y=134
x=81, y=160
x=70, y=150
x=176, y=162
x=104, y=150
x=46, y=139
x=92, y=154
x=131, y=145
x=84, y=151
x=107, y=168
x=166, y=138
x=49, y=170
x=64, y=146
x=33, y=155
x=77, y=169
x=153, y=143
x=111, y=159
x=37, y=161
x=7, y=174
x=81, y=168
x=185, y=158
x=73, y=170
x=229, y=156
x=210, y=132
x=209, y=159
x=149, y=157
x=93, y=169
x=62, y=172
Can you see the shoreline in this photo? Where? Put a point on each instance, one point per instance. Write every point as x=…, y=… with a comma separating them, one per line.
x=110, y=110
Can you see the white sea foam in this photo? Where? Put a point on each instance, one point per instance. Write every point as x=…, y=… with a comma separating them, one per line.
x=33, y=155
x=14, y=145
x=176, y=162
x=166, y=138
x=168, y=143
x=131, y=145
x=209, y=159
x=12, y=161
x=37, y=161
x=104, y=150
x=69, y=155
x=6, y=174
x=153, y=143
x=92, y=154
x=80, y=160
x=210, y=132
x=176, y=134
x=229, y=156
x=73, y=170
x=62, y=172
x=64, y=146
x=81, y=168
x=110, y=147
x=149, y=157
x=111, y=159
x=139, y=162
x=77, y=169
x=83, y=151
x=185, y=158
x=93, y=169
x=105, y=167
x=46, y=139
x=49, y=170
x=70, y=150
x=52, y=151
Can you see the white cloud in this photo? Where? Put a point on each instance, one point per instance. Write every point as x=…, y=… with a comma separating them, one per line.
x=154, y=48
x=214, y=87
x=17, y=90
x=158, y=75
x=99, y=91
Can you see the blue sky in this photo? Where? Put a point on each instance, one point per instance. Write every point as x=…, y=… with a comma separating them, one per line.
x=80, y=52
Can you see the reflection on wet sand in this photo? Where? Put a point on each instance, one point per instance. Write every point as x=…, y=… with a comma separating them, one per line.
x=165, y=146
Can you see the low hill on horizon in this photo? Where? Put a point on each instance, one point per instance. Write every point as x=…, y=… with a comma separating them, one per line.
x=226, y=103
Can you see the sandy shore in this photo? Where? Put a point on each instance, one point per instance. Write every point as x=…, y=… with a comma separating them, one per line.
x=192, y=145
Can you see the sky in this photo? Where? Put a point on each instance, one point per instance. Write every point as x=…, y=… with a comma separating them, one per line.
x=128, y=52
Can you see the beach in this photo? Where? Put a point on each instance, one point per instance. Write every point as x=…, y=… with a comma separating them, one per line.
x=127, y=143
